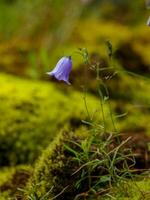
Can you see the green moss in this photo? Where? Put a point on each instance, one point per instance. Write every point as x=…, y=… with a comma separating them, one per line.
x=135, y=120
x=132, y=190
x=32, y=113
x=53, y=172
x=135, y=189
x=4, y=196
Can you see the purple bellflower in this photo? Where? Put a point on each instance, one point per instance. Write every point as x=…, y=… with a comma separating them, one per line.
x=148, y=22
x=62, y=70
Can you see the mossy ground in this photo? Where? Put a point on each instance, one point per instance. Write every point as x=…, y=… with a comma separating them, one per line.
x=31, y=119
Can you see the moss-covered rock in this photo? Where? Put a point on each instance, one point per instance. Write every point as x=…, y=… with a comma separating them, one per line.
x=53, y=172
x=58, y=174
x=32, y=113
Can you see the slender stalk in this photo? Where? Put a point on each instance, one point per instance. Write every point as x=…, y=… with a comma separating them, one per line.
x=102, y=109
x=85, y=103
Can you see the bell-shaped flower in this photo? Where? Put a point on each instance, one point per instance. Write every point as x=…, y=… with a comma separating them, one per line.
x=148, y=22
x=62, y=70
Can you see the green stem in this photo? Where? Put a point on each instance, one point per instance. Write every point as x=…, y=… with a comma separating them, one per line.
x=85, y=103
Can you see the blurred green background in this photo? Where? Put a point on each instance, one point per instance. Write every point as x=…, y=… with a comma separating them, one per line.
x=34, y=35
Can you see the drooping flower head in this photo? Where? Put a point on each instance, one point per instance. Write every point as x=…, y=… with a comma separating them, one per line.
x=62, y=70
x=148, y=22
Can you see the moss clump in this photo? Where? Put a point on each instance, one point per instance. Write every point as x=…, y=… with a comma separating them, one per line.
x=54, y=172
x=31, y=114
x=136, y=189
x=4, y=196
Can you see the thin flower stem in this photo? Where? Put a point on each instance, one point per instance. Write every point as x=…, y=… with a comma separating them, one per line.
x=101, y=98
x=85, y=103
x=102, y=109
x=112, y=118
